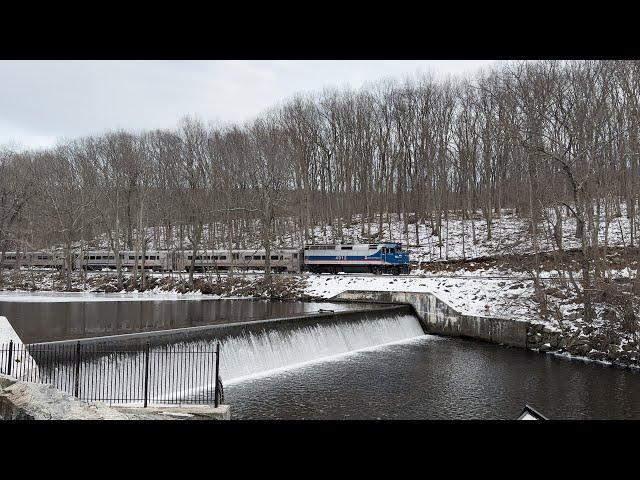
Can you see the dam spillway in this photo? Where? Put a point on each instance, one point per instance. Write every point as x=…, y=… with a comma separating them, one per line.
x=254, y=354
x=177, y=358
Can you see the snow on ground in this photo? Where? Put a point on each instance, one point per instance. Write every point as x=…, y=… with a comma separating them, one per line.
x=7, y=333
x=510, y=235
x=481, y=296
x=23, y=362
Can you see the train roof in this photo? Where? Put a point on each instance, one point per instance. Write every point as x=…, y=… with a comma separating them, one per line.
x=383, y=244
x=237, y=250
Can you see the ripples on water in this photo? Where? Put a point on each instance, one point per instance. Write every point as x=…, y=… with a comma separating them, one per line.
x=439, y=378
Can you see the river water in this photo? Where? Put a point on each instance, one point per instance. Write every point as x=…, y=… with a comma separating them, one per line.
x=440, y=378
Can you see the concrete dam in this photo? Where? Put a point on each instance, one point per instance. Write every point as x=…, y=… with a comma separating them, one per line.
x=248, y=349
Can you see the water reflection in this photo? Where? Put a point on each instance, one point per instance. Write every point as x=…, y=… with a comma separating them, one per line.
x=49, y=321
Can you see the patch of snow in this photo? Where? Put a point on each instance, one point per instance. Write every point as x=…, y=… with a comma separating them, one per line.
x=480, y=297
x=7, y=333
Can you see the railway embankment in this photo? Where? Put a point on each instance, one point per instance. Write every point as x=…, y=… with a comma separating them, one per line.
x=281, y=287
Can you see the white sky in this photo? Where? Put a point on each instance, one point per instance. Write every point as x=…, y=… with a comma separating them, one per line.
x=45, y=101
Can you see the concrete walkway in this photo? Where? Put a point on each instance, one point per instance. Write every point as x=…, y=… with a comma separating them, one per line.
x=185, y=412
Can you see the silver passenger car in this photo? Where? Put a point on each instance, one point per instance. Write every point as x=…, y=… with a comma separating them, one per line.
x=38, y=259
x=156, y=260
x=282, y=260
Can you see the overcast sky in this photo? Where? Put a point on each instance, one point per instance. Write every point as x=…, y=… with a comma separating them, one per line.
x=45, y=101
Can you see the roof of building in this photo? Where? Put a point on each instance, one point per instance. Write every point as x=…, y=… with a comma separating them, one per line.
x=530, y=413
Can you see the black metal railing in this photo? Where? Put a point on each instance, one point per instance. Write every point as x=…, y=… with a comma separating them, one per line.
x=167, y=374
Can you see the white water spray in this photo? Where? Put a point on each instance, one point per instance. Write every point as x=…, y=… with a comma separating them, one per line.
x=186, y=369
x=253, y=355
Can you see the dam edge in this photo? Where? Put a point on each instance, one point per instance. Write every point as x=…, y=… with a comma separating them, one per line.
x=221, y=331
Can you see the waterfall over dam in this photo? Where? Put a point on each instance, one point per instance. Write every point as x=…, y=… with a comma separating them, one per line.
x=255, y=354
x=182, y=369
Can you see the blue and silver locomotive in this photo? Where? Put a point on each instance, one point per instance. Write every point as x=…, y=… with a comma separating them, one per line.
x=374, y=258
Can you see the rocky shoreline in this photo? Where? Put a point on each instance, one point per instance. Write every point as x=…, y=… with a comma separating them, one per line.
x=280, y=287
x=586, y=343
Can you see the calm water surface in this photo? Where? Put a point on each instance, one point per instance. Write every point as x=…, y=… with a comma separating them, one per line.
x=43, y=321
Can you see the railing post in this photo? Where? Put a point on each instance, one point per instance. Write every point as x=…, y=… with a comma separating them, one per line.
x=146, y=375
x=10, y=359
x=216, y=394
x=77, y=386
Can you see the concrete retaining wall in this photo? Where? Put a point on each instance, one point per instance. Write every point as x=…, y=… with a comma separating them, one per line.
x=440, y=318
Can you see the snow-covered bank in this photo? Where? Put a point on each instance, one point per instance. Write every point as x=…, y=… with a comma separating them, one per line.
x=7, y=333
x=470, y=296
x=23, y=362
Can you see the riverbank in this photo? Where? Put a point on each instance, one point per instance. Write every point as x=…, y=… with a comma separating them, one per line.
x=281, y=287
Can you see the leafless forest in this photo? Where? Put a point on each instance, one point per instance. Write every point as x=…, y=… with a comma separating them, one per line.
x=552, y=140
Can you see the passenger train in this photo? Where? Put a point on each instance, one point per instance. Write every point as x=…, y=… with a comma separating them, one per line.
x=327, y=258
